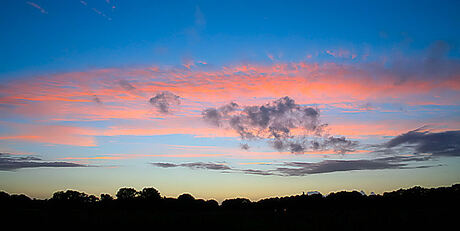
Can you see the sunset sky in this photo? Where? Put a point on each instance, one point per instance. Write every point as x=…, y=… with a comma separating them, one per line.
x=224, y=99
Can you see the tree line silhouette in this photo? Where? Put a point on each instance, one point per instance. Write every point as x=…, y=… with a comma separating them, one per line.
x=415, y=206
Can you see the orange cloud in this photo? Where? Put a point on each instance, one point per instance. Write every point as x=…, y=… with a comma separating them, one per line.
x=52, y=134
x=136, y=156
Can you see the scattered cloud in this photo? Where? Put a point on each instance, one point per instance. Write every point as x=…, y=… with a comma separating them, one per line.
x=276, y=122
x=96, y=99
x=164, y=101
x=245, y=146
x=338, y=144
x=126, y=85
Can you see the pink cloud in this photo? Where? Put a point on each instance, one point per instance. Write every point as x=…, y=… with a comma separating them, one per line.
x=307, y=82
x=70, y=96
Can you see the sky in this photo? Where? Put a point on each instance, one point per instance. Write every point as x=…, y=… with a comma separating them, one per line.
x=228, y=99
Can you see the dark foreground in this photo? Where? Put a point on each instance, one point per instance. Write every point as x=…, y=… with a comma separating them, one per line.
x=410, y=209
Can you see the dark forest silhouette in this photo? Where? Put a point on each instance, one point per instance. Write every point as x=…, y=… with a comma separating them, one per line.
x=410, y=208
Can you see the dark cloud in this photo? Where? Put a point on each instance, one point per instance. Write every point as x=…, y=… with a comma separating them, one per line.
x=327, y=166
x=338, y=144
x=195, y=165
x=96, y=99
x=10, y=162
x=309, y=168
x=165, y=165
x=258, y=172
x=217, y=116
x=212, y=166
x=303, y=168
x=245, y=146
x=445, y=143
x=126, y=85
x=276, y=121
x=367, y=106
x=164, y=100
x=212, y=116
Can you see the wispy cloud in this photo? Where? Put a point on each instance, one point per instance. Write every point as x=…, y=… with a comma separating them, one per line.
x=97, y=11
x=36, y=6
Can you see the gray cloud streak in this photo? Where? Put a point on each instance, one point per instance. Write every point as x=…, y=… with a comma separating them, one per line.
x=194, y=165
x=327, y=166
x=445, y=143
x=10, y=162
x=309, y=168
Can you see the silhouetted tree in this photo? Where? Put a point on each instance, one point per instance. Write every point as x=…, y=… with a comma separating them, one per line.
x=127, y=194
x=106, y=197
x=211, y=204
x=237, y=203
x=186, y=197
x=92, y=199
x=187, y=201
x=20, y=198
x=150, y=194
x=4, y=196
x=405, y=208
x=71, y=196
